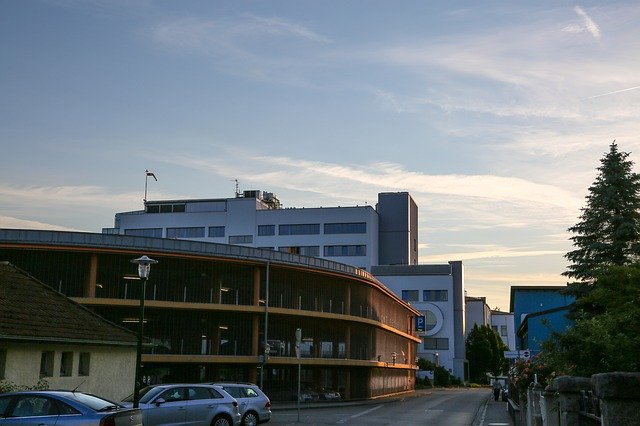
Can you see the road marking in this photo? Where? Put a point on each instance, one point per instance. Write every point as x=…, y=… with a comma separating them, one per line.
x=484, y=413
x=355, y=416
x=499, y=424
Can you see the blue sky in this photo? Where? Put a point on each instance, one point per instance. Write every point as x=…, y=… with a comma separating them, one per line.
x=493, y=115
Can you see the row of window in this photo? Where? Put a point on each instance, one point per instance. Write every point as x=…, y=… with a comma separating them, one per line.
x=66, y=364
x=427, y=295
x=503, y=329
x=436, y=343
x=263, y=230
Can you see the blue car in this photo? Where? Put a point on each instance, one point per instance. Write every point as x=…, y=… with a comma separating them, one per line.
x=48, y=408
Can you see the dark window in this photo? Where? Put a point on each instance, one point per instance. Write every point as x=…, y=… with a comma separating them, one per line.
x=189, y=232
x=153, y=209
x=266, y=230
x=410, y=295
x=84, y=365
x=199, y=393
x=179, y=208
x=66, y=363
x=166, y=208
x=216, y=231
x=144, y=232
x=303, y=250
x=330, y=251
x=435, y=295
x=436, y=343
x=345, y=228
x=299, y=229
x=173, y=394
x=240, y=239
x=46, y=364
x=503, y=330
x=3, y=362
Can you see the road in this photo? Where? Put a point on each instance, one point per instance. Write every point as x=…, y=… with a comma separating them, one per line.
x=447, y=407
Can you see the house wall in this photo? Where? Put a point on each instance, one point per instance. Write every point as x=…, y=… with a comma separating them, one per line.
x=504, y=319
x=111, y=371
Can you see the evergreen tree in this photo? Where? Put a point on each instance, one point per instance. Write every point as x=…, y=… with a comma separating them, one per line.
x=485, y=352
x=608, y=233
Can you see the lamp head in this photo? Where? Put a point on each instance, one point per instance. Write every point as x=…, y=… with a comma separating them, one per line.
x=144, y=265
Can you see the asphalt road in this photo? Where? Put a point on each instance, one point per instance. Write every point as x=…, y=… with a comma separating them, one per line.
x=446, y=407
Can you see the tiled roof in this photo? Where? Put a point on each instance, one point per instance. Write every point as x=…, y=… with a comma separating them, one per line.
x=33, y=311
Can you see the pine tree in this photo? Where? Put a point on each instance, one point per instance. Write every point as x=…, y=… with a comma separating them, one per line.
x=608, y=233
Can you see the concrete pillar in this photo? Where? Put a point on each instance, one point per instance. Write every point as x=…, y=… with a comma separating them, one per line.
x=568, y=389
x=619, y=395
x=90, y=283
x=256, y=286
x=550, y=406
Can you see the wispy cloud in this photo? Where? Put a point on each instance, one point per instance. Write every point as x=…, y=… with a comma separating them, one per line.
x=615, y=91
x=501, y=253
x=8, y=222
x=587, y=24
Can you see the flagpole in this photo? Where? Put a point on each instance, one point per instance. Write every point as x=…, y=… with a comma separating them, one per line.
x=146, y=178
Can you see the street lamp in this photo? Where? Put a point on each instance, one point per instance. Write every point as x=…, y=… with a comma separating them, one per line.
x=144, y=266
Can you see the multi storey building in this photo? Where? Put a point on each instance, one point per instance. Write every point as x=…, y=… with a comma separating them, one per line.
x=360, y=236
x=381, y=240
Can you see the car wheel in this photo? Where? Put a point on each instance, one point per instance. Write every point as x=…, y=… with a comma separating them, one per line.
x=250, y=419
x=222, y=421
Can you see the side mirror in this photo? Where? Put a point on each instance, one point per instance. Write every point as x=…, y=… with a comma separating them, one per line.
x=160, y=401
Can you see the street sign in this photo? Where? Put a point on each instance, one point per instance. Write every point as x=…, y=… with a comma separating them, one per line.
x=524, y=354
x=420, y=323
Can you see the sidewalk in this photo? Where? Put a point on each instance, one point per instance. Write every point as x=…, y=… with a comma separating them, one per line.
x=493, y=413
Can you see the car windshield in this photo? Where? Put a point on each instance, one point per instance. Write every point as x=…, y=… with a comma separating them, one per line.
x=145, y=395
x=93, y=401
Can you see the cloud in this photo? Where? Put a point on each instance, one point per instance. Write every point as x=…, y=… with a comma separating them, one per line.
x=487, y=254
x=8, y=222
x=587, y=24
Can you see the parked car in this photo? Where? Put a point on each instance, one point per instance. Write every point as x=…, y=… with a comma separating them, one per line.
x=255, y=406
x=328, y=394
x=307, y=394
x=64, y=408
x=193, y=404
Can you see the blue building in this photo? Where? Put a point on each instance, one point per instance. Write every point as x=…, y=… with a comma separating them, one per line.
x=538, y=312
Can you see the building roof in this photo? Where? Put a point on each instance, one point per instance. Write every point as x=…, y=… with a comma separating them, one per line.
x=32, y=311
x=533, y=288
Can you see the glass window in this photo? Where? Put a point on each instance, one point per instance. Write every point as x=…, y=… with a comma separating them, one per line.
x=503, y=330
x=430, y=320
x=199, y=393
x=173, y=394
x=345, y=228
x=410, y=295
x=188, y=232
x=66, y=363
x=266, y=230
x=46, y=364
x=250, y=393
x=359, y=250
x=303, y=250
x=436, y=343
x=30, y=406
x=299, y=229
x=84, y=366
x=234, y=391
x=216, y=231
x=144, y=232
x=240, y=239
x=435, y=295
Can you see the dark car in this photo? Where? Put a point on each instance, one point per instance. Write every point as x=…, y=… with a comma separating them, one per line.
x=193, y=404
x=48, y=408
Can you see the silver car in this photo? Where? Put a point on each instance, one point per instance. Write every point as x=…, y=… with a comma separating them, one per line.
x=255, y=406
x=192, y=404
x=48, y=408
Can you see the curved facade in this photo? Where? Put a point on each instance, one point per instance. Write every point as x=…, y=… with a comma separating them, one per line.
x=210, y=309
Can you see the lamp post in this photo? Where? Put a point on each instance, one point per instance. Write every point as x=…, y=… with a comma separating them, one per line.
x=144, y=266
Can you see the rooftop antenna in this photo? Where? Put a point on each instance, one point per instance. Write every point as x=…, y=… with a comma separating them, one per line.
x=237, y=187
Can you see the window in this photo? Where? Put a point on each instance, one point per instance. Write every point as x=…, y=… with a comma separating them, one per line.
x=166, y=208
x=240, y=239
x=436, y=343
x=345, y=251
x=84, y=365
x=46, y=364
x=173, y=394
x=216, y=231
x=503, y=330
x=3, y=362
x=66, y=364
x=32, y=406
x=430, y=320
x=199, y=393
x=189, y=232
x=435, y=295
x=144, y=232
x=303, y=250
x=345, y=228
x=410, y=295
x=266, y=230
x=299, y=229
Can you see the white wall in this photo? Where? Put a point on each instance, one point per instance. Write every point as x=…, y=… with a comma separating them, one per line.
x=505, y=319
x=111, y=375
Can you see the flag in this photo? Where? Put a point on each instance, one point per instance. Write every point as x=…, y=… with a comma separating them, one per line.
x=151, y=174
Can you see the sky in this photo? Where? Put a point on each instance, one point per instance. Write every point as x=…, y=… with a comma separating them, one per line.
x=493, y=115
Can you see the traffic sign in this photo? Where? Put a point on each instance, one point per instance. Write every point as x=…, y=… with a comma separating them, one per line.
x=420, y=323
